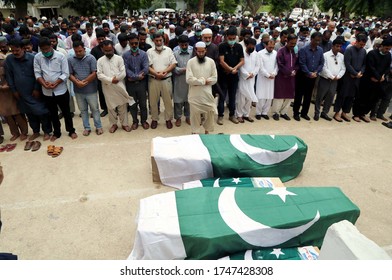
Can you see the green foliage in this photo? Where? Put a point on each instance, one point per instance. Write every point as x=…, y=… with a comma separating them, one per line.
x=358, y=7
x=279, y=6
x=227, y=6
x=104, y=7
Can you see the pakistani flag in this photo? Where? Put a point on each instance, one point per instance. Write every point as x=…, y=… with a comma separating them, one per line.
x=302, y=253
x=194, y=157
x=244, y=182
x=211, y=223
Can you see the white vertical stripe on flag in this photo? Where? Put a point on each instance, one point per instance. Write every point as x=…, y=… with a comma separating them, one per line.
x=171, y=153
x=158, y=233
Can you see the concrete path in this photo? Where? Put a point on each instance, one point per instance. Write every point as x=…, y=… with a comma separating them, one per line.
x=83, y=204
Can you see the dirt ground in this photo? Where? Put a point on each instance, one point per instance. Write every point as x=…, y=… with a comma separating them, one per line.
x=83, y=204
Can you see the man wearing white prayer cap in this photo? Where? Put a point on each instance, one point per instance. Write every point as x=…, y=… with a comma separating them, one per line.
x=201, y=74
x=172, y=33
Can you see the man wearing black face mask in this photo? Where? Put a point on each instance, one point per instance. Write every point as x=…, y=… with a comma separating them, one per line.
x=174, y=42
x=180, y=93
x=64, y=28
x=246, y=85
x=111, y=72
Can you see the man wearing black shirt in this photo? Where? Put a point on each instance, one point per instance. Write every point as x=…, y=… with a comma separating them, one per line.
x=231, y=58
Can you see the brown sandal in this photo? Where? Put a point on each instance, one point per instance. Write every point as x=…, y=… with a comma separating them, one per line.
x=36, y=146
x=50, y=149
x=57, y=151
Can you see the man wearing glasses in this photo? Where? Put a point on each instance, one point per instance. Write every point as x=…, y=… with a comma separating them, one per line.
x=333, y=71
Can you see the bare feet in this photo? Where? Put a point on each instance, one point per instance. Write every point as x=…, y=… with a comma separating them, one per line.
x=73, y=136
x=46, y=137
x=35, y=136
x=53, y=138
x=23, y=137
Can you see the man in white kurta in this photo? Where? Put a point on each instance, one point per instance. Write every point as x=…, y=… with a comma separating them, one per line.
x=246, y=84
x=111, y=72
x=201, y=74
x=265, y=85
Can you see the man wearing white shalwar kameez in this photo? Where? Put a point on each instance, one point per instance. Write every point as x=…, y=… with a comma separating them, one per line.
x=201, y=74
x=246, y=84
x=111, y=72
x=265, y=85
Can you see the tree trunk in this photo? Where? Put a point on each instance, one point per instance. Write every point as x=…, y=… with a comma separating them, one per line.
x=20, y=8
x=200, y=7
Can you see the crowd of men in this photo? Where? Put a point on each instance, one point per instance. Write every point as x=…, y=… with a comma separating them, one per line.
x=118, y=65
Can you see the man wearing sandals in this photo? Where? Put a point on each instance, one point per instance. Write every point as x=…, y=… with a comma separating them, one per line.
x=111, y=71
x=22, y=82
x=51, y=71
x=83, y=74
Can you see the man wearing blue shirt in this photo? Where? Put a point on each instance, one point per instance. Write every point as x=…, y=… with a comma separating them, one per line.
x=51, y=71
x=311, y=62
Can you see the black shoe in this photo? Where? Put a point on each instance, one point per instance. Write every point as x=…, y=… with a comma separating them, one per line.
x=297, y=118
x=316, y=117
x=258, y=117
x=275, y=117
x=287, y=118
x=104, y=113
x=61, y=116
x=72, y=115
x=291, y=104
x=265, y=117
x=325, y=117
x=306, y=117
x=390, y=117
x=387, y=124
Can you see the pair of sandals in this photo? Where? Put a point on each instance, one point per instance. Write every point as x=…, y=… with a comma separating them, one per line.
x=32, y=145
x=87, y=132
x=54, y=151
x=8, y=147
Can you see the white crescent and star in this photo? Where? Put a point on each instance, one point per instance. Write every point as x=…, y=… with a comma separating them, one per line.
x=259, y=155
x=251, y=231
x=217, y=185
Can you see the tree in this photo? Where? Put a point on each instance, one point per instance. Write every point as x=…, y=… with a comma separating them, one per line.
x=253, y=6
x=91, y=7
x=104, y=7
x=278, y=6
x=227, y=6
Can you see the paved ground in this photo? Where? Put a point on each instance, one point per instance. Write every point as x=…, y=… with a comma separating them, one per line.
x=83, y=204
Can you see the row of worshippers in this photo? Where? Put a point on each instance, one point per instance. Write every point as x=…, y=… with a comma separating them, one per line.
x=236, y=77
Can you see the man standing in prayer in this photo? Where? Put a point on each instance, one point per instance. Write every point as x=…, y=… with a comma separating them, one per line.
x=111, y=72
x=162, y=62
x=201, y=74
x=333, y=71
x=285, y=80
x=180, y=94
x=246, y=85
x=265, y=85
